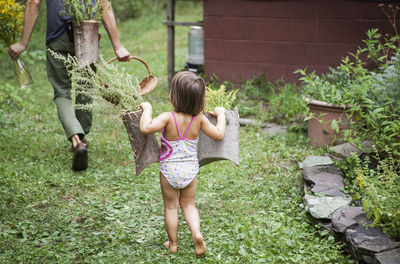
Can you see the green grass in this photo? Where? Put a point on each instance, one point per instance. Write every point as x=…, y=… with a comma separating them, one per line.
x=49, y=214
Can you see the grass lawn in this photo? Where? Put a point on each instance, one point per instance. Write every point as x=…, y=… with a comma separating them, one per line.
x=49, y=214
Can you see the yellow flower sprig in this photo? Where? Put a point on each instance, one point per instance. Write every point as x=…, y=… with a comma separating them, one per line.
x=220, y=98
x=11, y=21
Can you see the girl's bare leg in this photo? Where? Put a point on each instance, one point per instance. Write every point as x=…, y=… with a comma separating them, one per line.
x=171, y=204
x=187, y=201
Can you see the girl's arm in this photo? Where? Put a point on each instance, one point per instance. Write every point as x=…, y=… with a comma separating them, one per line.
x=148, y=125
x=216, y=132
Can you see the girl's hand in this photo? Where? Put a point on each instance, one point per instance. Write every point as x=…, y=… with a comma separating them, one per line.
x=218, y=111
x=145, y=106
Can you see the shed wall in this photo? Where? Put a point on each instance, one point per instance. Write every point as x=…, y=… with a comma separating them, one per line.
x=245, y=38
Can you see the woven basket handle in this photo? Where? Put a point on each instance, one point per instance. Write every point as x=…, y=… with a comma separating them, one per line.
x=135, y=58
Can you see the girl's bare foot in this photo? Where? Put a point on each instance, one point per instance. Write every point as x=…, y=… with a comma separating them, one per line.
x=199, y=246
x=172, y=248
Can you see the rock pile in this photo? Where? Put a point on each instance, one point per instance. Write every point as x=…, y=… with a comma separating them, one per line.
x=329, y=206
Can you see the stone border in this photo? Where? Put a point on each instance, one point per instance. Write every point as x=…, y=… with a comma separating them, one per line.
x=329, y=206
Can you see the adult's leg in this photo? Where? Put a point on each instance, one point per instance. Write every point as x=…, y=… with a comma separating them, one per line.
x=171, y=204
x=187, y=200
x=58, y=77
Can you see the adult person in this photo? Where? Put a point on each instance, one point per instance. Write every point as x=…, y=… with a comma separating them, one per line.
x=76, y=123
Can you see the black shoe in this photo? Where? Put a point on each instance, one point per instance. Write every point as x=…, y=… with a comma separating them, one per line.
x=80, y=159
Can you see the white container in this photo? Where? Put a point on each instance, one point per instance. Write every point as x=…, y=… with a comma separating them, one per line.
x=196, y=46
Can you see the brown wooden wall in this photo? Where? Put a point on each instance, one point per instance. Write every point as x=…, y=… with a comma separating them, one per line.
x=244, y=38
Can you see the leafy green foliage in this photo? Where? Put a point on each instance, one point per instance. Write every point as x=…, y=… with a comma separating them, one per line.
x=128, y=9
x=9, y=94
x=286, y=105
x=380, y=192
x=220, y=98
x=271, y=101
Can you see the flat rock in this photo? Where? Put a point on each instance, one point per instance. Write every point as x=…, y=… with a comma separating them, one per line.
x=323, y=175
x=388, y=257
x=369, y=241
x=347, y=149
x=328, y=189
x=323, y=207
x=251, y=122
x=312, y=161
x=348, y=216
x=274, y=130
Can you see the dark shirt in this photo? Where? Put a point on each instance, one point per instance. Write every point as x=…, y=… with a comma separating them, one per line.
x=55, y=20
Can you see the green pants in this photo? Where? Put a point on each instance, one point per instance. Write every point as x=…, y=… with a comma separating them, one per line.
x=73, y=121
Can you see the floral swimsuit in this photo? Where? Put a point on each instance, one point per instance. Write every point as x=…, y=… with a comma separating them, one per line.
x=178, y=158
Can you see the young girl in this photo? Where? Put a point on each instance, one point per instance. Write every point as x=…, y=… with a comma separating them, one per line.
x=178, y=156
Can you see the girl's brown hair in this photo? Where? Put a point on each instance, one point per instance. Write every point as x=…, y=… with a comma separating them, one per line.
x=187, y=93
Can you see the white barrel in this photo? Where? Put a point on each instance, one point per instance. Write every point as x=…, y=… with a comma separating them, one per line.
x=196, y=46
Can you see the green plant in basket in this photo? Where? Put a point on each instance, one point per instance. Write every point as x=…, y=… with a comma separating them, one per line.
x=81, y=10
x=220, y=97
x=108, y=85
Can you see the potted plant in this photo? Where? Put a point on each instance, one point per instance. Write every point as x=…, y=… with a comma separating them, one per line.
x=210, y=150
x=86, y=16
x=326, y=97
x=336, y=98
x=111, y=88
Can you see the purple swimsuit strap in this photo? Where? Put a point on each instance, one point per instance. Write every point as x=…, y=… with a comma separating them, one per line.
x=177, y=128
x=176, y=124
x=187, y=130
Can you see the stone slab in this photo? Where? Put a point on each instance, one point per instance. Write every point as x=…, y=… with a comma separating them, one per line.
x=251, y=122
x=323, y=207
x=323, y=175
x=369, y=241
x=388, y=257
x=312, y=161
x=274, y=130
x=346, y=217
x=327, y=189
x=347, y=149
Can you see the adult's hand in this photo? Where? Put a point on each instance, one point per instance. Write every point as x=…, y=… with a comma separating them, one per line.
x=122, y=54
x=15, y=50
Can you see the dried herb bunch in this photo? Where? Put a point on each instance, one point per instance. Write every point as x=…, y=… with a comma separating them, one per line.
x=108, y=85
x=81, y=10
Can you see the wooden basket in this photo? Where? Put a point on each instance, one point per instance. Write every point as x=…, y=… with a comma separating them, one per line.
x=86, y=42
x=145, y=147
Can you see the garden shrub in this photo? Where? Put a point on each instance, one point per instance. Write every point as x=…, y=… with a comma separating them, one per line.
x=273, y=101
x=128, y=9
x=380, y=192
x=286, y=105
x=368, y=83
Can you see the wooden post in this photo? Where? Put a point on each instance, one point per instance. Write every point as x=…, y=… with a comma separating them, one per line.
x=171, y=39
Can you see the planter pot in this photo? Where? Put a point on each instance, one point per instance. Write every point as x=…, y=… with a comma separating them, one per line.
x=145, y=147
x=319, y=127
x=209, y=150
x=86, y=40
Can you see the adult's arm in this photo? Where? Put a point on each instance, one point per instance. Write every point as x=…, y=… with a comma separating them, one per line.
x=32, y=8
x=111, y=27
